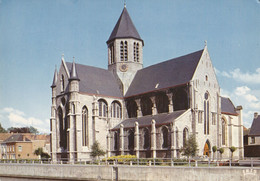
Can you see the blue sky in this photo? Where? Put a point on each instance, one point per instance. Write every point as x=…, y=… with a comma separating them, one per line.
x=35, y=33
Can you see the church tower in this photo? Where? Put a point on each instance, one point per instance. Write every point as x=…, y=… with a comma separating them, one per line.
x=125, y=50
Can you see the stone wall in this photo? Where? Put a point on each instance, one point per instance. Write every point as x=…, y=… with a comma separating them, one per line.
x=141, y=173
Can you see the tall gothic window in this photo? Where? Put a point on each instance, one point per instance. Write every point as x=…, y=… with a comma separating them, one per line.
x=111, y=51
x=206, y=113
x=102, y=105
x=85, y=126
x=165, y=137
x=146, y=138
x=185, y=135
x=130, y=139
x=116, y=111
x=62, y=84
x=223, y=132
x=115, y=140
x=123, y=51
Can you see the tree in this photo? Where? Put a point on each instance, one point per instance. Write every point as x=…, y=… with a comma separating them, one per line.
x=2, y=130
x=214, y=149
x=96, y=150
x=190, y=146
x=41, y=153
x=23, y=130
x=221, y=151
x=232, y=149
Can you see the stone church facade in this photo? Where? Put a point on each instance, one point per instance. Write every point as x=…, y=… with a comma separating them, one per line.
x=148, y=112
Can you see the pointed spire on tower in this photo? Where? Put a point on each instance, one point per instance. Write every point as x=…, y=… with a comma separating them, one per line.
x=73, y=72
x=124, y=28
x=55, y=78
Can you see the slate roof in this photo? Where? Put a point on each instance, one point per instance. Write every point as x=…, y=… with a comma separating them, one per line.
x=16, y=138
x=255, y=127
x=160, y=119
x=227, y=106
x=167, y=74
x=124, y=28
x=95, y=80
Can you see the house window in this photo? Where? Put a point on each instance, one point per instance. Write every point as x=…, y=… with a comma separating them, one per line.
x=252, y=140
x=102, y=108
x=20, y=148
x=84, y=126
x=130, y=140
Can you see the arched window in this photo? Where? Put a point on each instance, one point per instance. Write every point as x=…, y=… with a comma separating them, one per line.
x=131, y=107
x=62, y=128
x=116, y=111
x=130, y=140
x=185, y=135
x=85, y=126
x=123, y=51
x=165, y=137
x=102, y=108
x=136, y=52
x=223, y=132
x=162, y=103
x=206, y=113
x=62, y=83
x=146, y=106
x=146, y=139
x=115, y=140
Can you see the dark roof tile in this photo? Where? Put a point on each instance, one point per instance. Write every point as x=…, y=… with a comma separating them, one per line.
x=124, y=28
x=160, y=119
x=167, y=74
x=255, y=127
x=95, y=80
x=227, y=106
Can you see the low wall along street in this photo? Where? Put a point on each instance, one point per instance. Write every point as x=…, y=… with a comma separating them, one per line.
x=130, y=173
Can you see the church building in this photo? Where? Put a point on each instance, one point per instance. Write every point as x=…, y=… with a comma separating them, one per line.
x=148, y=112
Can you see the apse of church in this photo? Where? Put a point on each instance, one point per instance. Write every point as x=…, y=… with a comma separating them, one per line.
x=149, y=112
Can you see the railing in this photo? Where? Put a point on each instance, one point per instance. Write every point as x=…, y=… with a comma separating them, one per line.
x=142, y=162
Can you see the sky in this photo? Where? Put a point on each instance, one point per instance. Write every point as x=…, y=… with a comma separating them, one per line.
x=35, y=33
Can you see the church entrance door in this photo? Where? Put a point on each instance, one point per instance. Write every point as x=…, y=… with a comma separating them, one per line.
x=206, y=149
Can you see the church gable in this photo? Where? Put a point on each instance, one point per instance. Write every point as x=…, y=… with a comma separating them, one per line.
x=63, y=78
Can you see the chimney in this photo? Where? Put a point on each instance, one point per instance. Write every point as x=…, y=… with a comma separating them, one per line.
x=255, y=115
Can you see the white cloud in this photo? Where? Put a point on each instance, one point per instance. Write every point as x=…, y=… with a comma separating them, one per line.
x=249, y=99
x=246, y=77
x=17, y=118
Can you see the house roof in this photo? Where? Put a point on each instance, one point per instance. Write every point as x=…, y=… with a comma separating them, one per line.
x=160, y=119
x=227, y=106
x=16, y=138
x=255, y=127
x=124, y=28
x=95, y=80
x=167, y=74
